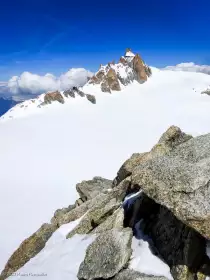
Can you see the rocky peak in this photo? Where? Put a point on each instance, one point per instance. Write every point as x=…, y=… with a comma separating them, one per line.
x=130, y=68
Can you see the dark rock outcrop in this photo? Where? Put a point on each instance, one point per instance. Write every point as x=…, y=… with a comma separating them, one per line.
x=180, y=246
x=78, y=91
x=91, y=98
x=69, y=93
x=207, y=91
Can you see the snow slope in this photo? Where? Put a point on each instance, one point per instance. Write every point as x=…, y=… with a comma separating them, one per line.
x=60, y=259
x=45, y=151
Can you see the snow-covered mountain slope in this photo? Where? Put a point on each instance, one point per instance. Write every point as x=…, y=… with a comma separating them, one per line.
x=45, y=151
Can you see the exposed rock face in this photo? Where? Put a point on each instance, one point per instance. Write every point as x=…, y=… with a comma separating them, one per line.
x=116, y=220
x=139, y=69
x=128, y=166
x=100, y=75
x=98, y=201
x=105, y=86
x=60, y=212
x=95, y=217
x=207, y=91
x=180, y=246
x=179, y=180
x=69, y=93
x=112, y=80
x=91, y=98
x=128, y=274
x=169, y=140
x=92, y=188
x=78, y=91
x=80, y=201
x=107, y=255
x=182, y=272
x=28, y=249
x=53, y=96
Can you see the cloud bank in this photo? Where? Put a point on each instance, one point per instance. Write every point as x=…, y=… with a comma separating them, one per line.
x=190, y=67
x=27, y=84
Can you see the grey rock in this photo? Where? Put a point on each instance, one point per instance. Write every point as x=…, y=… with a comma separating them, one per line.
x=128, y=166
x=114, y=221
x=105, y=87
x=173, y=137
x=92, y=188
x=128, y=274
x=179, y=180
x=168, y=141
x=182, y=272
x=107, y=255
x=98, y=201
x=91, y=98
x=207, y=91
x=95, y=217
x=80, y=201
x=78, y=91
x=69, y=93
x=60, y=212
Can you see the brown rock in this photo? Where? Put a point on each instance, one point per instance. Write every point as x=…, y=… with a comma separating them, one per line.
x=28, y=249
x=139, y=69
x=53, y=96
x=112, y=80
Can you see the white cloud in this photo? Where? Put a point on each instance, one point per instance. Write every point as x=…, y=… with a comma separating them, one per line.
x=190, y=67
x=28, y=84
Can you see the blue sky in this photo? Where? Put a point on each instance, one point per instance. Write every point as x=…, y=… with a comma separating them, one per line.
x=54, y=35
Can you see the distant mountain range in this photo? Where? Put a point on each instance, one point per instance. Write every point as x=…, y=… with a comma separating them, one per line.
x=6, y=104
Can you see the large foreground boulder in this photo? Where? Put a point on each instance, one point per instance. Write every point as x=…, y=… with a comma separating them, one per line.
x=172, y=138
x=107, y=255
x=180, y=180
